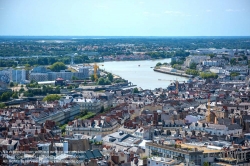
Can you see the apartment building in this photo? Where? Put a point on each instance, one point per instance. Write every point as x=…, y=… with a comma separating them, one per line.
x=215, y=153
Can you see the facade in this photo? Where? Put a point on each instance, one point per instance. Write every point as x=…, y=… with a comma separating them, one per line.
x=5, y=76
x=38, y=77
x=195, y=59
x=238, y=69
x=194, y=156
x=13, y=75
x=161, y=161
x=217, y=129
x=217, y=70
x=51, y=76
x=211, y=63
x=143, y=133
x=197, y=153
x=102, y=127
x=92, y=105
x=60, y=116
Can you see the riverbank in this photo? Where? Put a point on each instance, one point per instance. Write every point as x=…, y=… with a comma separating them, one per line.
x=172, y=73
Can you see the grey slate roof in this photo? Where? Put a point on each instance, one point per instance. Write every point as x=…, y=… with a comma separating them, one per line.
x=234, y=126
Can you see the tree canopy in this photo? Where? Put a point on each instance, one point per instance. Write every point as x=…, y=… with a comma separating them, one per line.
x=102, y=81
x=136, y=90
x=234, y=74
x=206, y=75
x=110, y=77
x=58, y=66
x=158, y=64
x=192, y=72
x=52, y=97
x=193, y=66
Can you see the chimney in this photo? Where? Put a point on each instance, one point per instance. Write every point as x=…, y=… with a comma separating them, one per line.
x=232, y=120
x=215, y=120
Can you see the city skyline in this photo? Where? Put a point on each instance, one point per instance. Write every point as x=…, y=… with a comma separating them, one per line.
x=124, y=18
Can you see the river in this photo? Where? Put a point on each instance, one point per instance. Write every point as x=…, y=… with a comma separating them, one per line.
x=140, y=73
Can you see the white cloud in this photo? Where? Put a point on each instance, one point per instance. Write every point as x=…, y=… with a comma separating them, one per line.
x=141, y=2
x=234, y=10
x=208, y=10
x=172, y=12
x=177, y=13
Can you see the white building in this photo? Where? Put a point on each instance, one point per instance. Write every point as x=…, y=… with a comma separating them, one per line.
x=161, y=161
x=217, y=70
x=93, y=105
x=217, y=129
x=192, y=118
x=238, y=69
x=211, y=63
x=195, y=59
x=142, y=133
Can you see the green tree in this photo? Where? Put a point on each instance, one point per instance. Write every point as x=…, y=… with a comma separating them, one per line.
x=233, y=61
x=176, y=66
x=27, y=67
x=135, y=90
x=58, y=66
x=158, y=64
x=110, y=77
x=102, y=109
x=11, y=84
x=107, y=82
x=21, y=90
x=52, y=97
x=15, y=95
x=70, y=87
x=206, y=75
x=205, y=163
x=211, y=55
x=92, y=77
x=234, y=74
x=6, y=96
x=193, y=66
x=2, y=105
x=101, y=81
x=192, y=72
x=74, y=78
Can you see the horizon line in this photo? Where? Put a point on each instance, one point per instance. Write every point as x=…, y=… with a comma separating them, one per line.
x=128, y=35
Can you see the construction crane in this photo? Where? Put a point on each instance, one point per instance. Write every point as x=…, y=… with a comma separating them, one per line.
x=176, y=84
x=96, y=67
x=208, y=109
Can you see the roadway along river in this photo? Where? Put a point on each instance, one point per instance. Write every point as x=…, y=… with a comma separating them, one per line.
x=140, y=73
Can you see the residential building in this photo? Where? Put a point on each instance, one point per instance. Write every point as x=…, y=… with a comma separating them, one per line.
x=195, y=59
x=93, y=104
x=218, y=70
x=192, y=154
x=211, y=63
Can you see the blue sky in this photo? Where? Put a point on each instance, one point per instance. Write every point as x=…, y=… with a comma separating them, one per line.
x=125, y=17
